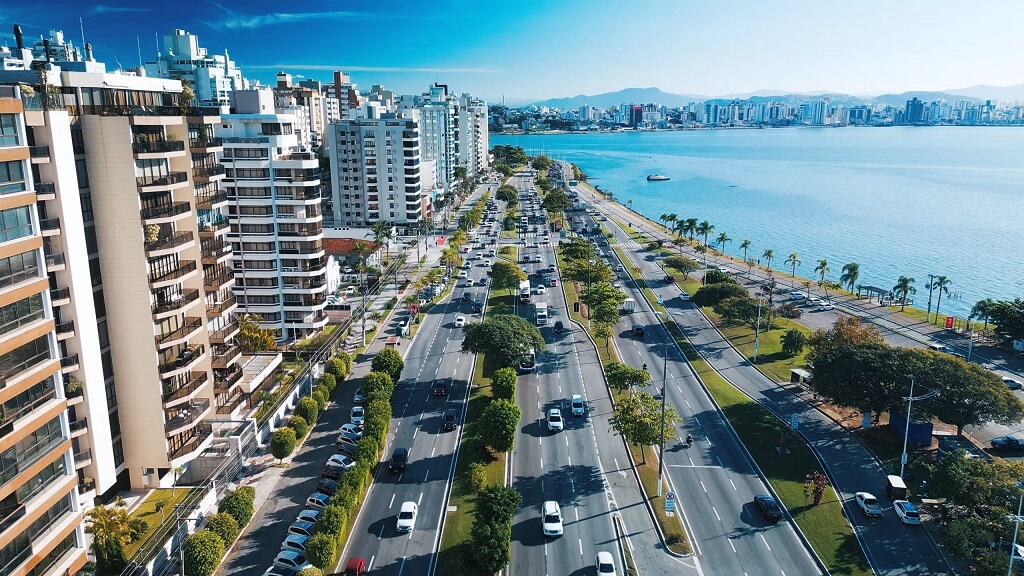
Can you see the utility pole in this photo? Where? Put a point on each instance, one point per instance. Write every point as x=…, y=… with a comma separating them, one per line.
x=181, y=537
x=1016, y=519
x=906, y=431
x=757, y=328
x=930, y=286
x=664, y=395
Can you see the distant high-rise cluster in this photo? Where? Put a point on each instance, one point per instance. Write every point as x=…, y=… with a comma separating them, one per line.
x=144, y=212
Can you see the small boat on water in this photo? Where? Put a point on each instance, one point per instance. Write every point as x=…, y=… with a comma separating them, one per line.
x=657, y=177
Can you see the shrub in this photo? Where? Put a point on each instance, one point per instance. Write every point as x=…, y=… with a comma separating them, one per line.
x=497, y=503
x=503, y=383
x=329, y=382
x=498, y=424
x=346, y=496
x=332, y=521
x=308, y=409
x=225, y=526
x=390, y=362
x=477, y=476
x=788, y=310
x=248, y=493
x=491, y=542
x=321, y=551
x=332, y=367
x=238, y=505
x=311, y=571
x=298, y=423
x=712, y=294
x=203, y=551
x=392, y=303
x=378, y=385
x=366, y=450
x=282, y=443
x=717, y=277
x=320, y=396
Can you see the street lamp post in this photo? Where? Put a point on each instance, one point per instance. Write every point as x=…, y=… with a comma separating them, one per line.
x=930, y=286
x=757, y=329
x=664, y=398
x=1016, y=519
x=906, y=431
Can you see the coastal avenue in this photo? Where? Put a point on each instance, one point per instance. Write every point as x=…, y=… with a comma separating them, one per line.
x=886, y=541
x=714, y=479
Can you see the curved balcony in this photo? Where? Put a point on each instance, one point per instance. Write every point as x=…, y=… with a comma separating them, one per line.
x=169, y=244
x=166, y=212
x=201, y=432
x=187, y=417
x=225, y=355
x=183, y=363
x=213, y=281
x=161, y=183
x=174, y=303
x=216, y=252
x=211, y=201
x=186, y=392
x=185, y=269
x=218, y=309
x=224, y=334
x=179, y=335
x=224, y=380
x=208, y=144
x=211, y=229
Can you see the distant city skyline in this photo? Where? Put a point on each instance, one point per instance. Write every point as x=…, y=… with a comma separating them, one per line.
x=542, y=50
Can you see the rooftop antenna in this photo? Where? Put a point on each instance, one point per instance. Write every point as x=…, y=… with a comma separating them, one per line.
x=156, y=40
x=138, y=46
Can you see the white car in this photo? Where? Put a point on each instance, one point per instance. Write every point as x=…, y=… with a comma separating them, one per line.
x=868, y=504
x=605, y=564
x=356, y=415
x=463, y=275
x=407, y=517
x=813, y=301
x=341, y=461
x=350, y=290
x=488, y=263
x=578, y=408
x=1011, y=383
x=826, y=305
x=797, y=295
x=551, y=518
x=295, y=542
x=291, y=560
x=906, y=511
x=540, y=290
x=555, y=420
x=318, y=501
x=352, y=429
x=460, y=321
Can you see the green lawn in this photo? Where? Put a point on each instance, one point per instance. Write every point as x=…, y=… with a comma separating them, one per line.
x=156, y=509
x=675, y=534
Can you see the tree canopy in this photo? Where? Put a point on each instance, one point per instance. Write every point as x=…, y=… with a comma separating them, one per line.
x=502, y=337
x=637, y=418
x=556, y=201
x=847, y=330
x=498, y=424
x=507, y=194
x=712, y=294
x=587, y=271
x=251, y=338
x=682, y=264
x=541, y=162
x=622, y=377
x=510, y=155
x=577, y=248
x=1008, y=316
x=390, y=362
x=506, y=275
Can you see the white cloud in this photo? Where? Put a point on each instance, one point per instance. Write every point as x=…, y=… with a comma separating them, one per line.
x=392, y=69
x=103, y=9
x=236, y=21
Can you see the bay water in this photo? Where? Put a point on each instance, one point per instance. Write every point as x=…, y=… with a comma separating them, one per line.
x=907, y=201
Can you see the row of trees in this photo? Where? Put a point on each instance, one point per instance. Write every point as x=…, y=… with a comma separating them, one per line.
x=308, y=410
x=513, y=156
x=475, y=215
x=204, y=549
x=853, y=367
x=601, y=298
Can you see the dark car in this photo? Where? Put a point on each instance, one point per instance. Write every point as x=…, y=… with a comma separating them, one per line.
x=638, y=330
x=559, y=327
x=1008, y=443
x=399, y=458
x=332, y=473
x=478, y=306
x=327, y=486
x=466, y=296
x=450, y=419
x=770, y=509
x=441, y=387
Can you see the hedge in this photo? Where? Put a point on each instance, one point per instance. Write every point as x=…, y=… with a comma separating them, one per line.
x=308, y=409
x=225, y=526
x=299, y=424
x=239, y=505
x=203, y=551
x=322, y=551
x=332, y=521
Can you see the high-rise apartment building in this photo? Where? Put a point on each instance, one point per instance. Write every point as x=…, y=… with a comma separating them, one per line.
x=40, y=512
x=473, y=147
x=276, y=227
x=437, y=132
x=306, y=105
x=213, y=76
x=914, y=111
x=376, y=172
x=137, y=266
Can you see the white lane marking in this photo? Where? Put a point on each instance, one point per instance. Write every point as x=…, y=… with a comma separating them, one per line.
x=581, y=546
x=370, y=565
x=381, y=532
x=697, y=421
x=733, y=485
x=733, y=546
x=542, y=463
x=402, y=565
x=716, y=513
x=577, y=511
x=420, y=499
x=703, y=486
x=566, y=440
x=687, y=401
x=425, y=476
x=765, y=542
x=432, y=451
x=719, y=461
x=392, y=501
x=414, y=433
x=681, y=391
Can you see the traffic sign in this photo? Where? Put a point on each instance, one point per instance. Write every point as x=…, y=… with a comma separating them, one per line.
x=794, y=421
x=670, y=502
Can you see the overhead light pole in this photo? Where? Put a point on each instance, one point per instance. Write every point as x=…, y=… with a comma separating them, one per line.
x=906, y=431
x=1016, y=519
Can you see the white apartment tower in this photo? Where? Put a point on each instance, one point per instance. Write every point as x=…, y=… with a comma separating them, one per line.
x=472, y=146
x=213, y=77
x=376, y=172
x=437, y=132
x=276, y=231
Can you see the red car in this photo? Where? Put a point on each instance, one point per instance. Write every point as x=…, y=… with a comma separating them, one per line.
x=553, y=282
x=355, y=567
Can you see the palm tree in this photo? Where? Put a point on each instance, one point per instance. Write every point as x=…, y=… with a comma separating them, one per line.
x=705, y=229
x=112, y=528
x=690, y=228
x=822, y=269
x=794, y=261
x=722, y=239
x=904, y=287
x=745, y=245
x=679, y=228
x=663, y=219
x=382, y=233
x=768, y=255
x=940, y=283
x=849, y=276
x=670, y=220
x=982, y=310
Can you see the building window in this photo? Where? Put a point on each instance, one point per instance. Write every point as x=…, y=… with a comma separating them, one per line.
x=18, y=268
x=12, y=177
x=86, y=197
x=9, y=130
x=22, y=312
x=15, y=223
x=82, y=171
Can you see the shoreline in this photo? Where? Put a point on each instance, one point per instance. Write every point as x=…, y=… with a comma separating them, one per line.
x=714, y=128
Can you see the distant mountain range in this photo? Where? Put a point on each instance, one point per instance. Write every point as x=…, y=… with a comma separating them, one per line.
x=656, y=95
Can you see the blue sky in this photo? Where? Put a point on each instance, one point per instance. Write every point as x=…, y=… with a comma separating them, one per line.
x=532, y=49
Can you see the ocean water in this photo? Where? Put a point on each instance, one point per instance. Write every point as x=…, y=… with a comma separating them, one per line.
x=908, y=201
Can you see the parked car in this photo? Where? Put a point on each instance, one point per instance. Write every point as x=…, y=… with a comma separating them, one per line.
x=551, y=518
x=399, y=458
x=356, y=415
x=826, y=305
x=1008, y=442
x=302, y=528
x=295, y=542
x=555, y=420
x=351, y=430
x=868, y=504
x=332, y=472
x=327, y=486
x=797, y=295
x=578, y=408
x=308, y=515
x=450, y=419
x=1011, y=383
x=318, y=501
x=341, y=461
x=907, y=512
x=440, y=387
x=291, y=560
x=407, y=517
x=770, y=509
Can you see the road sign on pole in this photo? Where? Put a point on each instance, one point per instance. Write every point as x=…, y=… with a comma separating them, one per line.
x=794, y=421
x=670, y=503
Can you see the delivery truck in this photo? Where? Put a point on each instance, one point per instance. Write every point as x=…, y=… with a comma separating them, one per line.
x=629, y=305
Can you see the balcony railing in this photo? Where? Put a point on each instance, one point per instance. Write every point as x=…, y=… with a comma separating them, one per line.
x=220, y=307
x=215, y=226
x=300, y=194
x=83, y=458
x=191, y=386
x=216, y=249
x=201, y=432
x=190, y=326
x=166, y=180
x=65, y=327
x=224, y=333
x=50, y=224
x=210, y=142
x=207, y=171
x=166, y=210
x=187, y=416
x=79, y=425
x=45, y=188
x=158, y=146
x=224, y=354
x=176, y=239
x=225, y=380
x=184, y=359
x=39, y=151
x=69, y=361
x=176, y=301
x=215, y=282
x=207, y=202
x=232, y=403
x=55, y=260
x=60, y=294
x=184, y=267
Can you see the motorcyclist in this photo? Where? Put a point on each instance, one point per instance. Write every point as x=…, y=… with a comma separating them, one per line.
x=645, y=366
x=689, y=439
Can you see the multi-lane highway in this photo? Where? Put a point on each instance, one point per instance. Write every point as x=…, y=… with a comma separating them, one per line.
x=714, y=478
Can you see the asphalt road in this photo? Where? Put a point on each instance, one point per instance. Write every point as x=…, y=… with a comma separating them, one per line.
x=714, y=480
x=886, y=541
x=561, y=466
